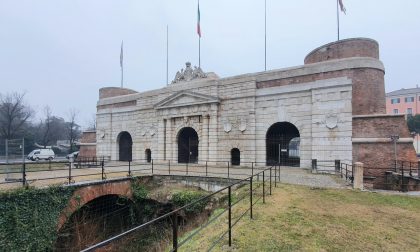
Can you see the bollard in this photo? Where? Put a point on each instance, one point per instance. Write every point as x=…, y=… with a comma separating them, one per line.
x=169, y=166
x=152, y=166
x=129, y=168
x=206, y=169
x=358, y=176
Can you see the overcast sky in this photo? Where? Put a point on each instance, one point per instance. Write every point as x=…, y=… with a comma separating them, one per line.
x=61, y=52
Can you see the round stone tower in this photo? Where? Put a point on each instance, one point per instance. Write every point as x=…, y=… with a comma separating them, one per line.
x=363, y=67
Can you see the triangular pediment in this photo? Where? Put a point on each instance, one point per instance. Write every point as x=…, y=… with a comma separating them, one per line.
x=186, y=98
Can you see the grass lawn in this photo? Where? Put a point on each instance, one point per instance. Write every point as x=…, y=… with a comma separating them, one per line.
x=299, y=218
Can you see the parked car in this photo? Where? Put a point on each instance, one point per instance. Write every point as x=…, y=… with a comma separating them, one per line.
x=73, y=155
x=47, y=154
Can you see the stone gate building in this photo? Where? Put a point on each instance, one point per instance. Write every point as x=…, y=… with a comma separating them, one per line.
x=325, y=109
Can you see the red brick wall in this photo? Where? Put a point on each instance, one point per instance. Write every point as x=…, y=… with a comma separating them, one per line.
x=368, y=95
x=380, y=157
x=88, y=150
x=358, y=47
x=118, y=105
x=107, y=92
x=380, y=126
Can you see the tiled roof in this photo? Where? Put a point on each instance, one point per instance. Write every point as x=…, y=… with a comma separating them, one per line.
x=403, y=92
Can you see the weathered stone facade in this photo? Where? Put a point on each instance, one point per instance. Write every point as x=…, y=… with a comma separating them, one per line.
x=338, y=81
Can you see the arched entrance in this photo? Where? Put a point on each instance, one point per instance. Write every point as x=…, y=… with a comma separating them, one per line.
x=148, y=155
x=187, y=146
x=125, y=144
x=283, y=144
x=235, y=156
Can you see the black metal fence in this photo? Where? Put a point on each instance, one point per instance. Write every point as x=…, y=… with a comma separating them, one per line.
x=259, y=186
x=336, y=167
x=401, y=176
x=87, y=169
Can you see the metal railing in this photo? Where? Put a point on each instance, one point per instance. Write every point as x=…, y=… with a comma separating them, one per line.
x=92, y=169
x=266, y=175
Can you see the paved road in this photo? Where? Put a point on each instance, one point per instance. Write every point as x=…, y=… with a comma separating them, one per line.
x=60, y=175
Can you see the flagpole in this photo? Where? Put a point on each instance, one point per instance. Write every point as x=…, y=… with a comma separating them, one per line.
x=265, y=35
x=338, y=23
x=199, y=52
x=167, y=54
x=122, y=64
x=199, y=36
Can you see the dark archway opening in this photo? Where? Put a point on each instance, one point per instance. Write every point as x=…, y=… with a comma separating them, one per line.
x=148, y=154
x=125, y=146
x=235, y=156
x=187, y=146
x=283, y=144
x=95, y=221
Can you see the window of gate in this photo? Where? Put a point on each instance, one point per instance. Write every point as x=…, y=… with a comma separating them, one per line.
x=187, y=146
x=148, y=154
x=283, y=144
x=235, y=156
x=125, y=144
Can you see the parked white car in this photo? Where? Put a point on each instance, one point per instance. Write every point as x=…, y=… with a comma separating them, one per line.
x=37, y=154
x=73, y=155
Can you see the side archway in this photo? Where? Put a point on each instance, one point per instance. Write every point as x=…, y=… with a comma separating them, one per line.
x=283, y=144
x=125, y=146
x=187, y=145
x=235, y=156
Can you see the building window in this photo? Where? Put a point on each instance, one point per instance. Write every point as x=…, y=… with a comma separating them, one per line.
x=409, y=99
x=409, y=111
x=395, y=100
x=395, y=111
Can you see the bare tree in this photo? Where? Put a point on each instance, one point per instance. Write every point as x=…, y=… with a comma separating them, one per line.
x=92, y=123
x=73, y=129
x=45, y=127
x=14, y=115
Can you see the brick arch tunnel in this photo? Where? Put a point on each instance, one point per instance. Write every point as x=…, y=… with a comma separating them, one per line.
x=95, y=211
x=89, y=193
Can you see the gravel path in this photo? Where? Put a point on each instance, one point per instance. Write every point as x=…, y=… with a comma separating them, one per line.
x=299, y=176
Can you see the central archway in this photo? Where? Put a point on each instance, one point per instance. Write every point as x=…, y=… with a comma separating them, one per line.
x=125, y=144
x=187, y=145
x=283, y=144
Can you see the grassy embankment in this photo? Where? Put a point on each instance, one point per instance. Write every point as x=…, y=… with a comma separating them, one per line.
x=299, y=218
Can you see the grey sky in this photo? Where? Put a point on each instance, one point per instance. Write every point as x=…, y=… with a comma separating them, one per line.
x=62, y=52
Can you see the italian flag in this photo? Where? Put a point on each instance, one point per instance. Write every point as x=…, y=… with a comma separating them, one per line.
x=198, y=20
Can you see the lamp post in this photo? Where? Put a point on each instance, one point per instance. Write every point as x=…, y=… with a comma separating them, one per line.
x=394, y=139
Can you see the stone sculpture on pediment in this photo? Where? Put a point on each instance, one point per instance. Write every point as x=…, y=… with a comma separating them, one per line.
x=189, y=74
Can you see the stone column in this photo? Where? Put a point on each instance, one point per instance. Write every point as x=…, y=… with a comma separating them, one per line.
x=160, y=140
x=204, y=154
x=169, y=143
x=358, y=176
x=213, y=137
